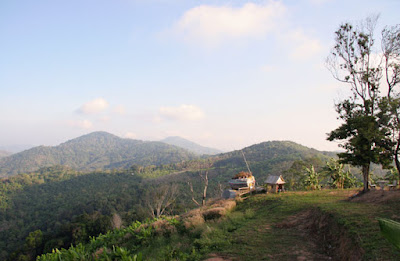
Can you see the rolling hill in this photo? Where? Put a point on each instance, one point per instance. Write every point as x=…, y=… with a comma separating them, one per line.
x=190, y=146
x=51, y=199
x=271, y=157
x=97, y=150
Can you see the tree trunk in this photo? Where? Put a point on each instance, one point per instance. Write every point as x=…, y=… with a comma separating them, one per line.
x=365, y=172
x=205, y=189
x=396, y=155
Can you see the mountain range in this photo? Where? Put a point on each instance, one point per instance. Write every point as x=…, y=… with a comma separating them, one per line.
x=97, y=150
x=102, y=150
x=58, y=199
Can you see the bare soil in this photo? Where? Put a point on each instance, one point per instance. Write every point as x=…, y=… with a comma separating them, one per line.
x=377, y=196
x=324, y=234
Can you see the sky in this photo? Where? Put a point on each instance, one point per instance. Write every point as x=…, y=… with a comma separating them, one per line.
x=224, y=74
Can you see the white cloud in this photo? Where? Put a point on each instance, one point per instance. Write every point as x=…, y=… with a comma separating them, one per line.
x=120, y=109
x=94, y=106
x=130, y=135
x=182, y=113
x=303, y=46
x=212, y=25
x=82, y=124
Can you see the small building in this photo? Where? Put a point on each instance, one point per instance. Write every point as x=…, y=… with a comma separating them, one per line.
x=275, y=184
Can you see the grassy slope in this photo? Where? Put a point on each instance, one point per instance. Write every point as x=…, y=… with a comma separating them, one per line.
x=259, y=237
x=271, y=227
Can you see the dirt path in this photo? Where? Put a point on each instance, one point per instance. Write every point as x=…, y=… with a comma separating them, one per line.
x=286, y=240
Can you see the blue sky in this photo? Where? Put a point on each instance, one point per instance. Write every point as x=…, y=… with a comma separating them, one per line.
x=225, y=74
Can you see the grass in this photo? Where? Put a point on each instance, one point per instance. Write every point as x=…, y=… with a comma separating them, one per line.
x=251, y=232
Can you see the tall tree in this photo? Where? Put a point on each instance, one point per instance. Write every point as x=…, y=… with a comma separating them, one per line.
x=391, y=68
x=365, y=129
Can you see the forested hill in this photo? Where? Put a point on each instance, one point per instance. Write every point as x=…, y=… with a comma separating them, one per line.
x=69, y=206
x=271, y=157
x=190, y=146
x=97, y=150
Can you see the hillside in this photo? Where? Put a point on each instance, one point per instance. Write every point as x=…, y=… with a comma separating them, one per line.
x=271, y=157
x=54, y=199
x=190, y=146
x=97, y=150
x=319, y=225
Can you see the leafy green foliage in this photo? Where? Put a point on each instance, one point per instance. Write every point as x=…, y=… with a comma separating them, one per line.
x=65, y=205
x=311, y=180
x=339, y=178
x=119, y=244
x=392, y=175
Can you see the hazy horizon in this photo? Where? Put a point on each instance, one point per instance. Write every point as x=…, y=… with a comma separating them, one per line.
x=223, y=74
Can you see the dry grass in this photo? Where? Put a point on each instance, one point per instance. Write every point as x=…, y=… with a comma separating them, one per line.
x=216, y=209
x=214, y=213
x=242, y=174
x=193, y=220
x=163, y=227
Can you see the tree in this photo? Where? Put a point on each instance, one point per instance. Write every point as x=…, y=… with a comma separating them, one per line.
x=34, y=242
x=203, y=174
x=311, y=180
x=159, y=199
x=295, y=175
x=391, y=67
x=365, y=129
x=339, y=177
x=392, y=175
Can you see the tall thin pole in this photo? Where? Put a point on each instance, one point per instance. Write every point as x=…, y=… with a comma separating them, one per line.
x=247, y=165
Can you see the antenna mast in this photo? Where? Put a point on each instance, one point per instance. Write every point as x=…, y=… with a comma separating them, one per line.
x=247, y=165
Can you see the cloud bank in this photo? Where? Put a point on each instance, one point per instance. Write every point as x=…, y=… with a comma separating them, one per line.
x=213, y=25
x=182, y=113
x=94, y=106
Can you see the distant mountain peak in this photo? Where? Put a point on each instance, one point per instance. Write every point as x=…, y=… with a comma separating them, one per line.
x=96, y=150
x=190, y=145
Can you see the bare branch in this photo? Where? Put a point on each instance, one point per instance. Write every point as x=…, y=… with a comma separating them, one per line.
x=191, y=189
x=159, y=199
